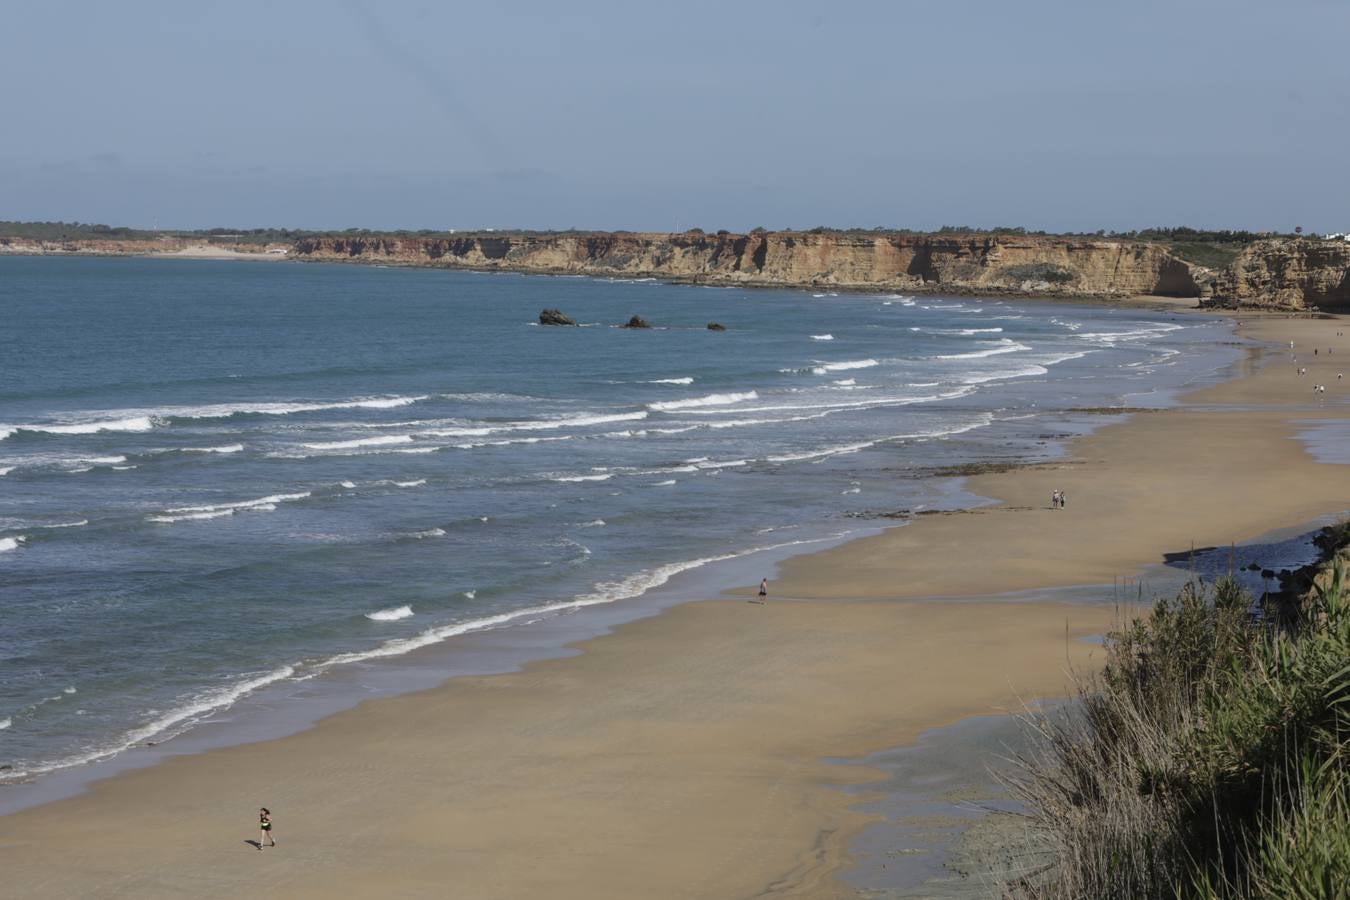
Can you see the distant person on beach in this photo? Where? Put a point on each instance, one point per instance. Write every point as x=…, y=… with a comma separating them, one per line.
x=265, y=829
x=763, y=590
x=1063, y=499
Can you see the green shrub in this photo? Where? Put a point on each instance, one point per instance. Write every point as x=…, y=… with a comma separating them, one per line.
x=1208, y=758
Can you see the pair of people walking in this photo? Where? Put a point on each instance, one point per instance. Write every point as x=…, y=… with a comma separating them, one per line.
x=1058, y=499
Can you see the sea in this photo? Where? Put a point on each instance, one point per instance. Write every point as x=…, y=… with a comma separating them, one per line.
x=221, y=478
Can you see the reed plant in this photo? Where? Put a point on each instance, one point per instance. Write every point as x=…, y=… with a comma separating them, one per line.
x=1208, y=758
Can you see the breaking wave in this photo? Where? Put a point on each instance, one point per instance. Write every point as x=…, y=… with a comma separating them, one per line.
x=709, y=400
x=827, y=368
x=393, y=614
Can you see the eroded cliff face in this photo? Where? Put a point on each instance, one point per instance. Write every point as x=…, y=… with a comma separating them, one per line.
x=1285, y=274
x=993, y=264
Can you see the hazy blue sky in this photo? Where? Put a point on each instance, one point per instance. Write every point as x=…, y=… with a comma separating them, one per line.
x=1056, y=114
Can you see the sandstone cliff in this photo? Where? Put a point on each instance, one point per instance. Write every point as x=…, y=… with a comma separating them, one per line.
x=1288, y=274
x=1282, y=273
x=974, y=263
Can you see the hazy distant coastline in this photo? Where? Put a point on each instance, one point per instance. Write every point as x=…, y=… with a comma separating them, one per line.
x=1215, y=268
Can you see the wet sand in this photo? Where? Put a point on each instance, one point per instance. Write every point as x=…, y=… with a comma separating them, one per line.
x=682, y=755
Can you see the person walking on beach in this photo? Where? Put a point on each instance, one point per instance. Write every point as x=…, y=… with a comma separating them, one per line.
x=1063, y=499
x=265, y=829
x=763, y=590
x=1054, y=499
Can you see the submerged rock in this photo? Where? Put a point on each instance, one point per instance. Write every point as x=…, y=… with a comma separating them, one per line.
x=716, y=326
x=554, y=317
x=636, y=322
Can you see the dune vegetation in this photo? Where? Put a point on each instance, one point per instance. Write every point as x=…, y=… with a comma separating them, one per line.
x=1208, y=758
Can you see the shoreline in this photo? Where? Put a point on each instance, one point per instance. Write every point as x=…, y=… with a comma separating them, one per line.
x=847, y=568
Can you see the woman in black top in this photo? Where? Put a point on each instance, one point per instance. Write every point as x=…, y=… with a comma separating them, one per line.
x=265, y=829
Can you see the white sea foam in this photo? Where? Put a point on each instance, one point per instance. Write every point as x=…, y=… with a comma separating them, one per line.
x=826, y=368
x=429, y=533
x=11, y=543
x=228, y=448
x=824, y=452
x=667, y=483
x=101, y=460
x=1004, y=345
x=602, y=593
x=380, y=441
x=852, y=491
x=146, y=419
x=68, y=690
x=131, y=423
x=393, y=614
x=5, y=470
x=1136, y=334
x=270, y=500
x=670, y=381
x=1036, y=367
x=746, y=423
x=836, y=405
x=708, y=400
x=596, y=523
x=470, y=594
x=410, y=484
x=726, y=464
x=822, y=337
x=981, y=421
x=176, y=721
x=283, y=408
x=189, y=517
x=575, y=421
x=574, y=478
x=504, y=442
x=5, y=723
x=66, y=524
x=216, y=510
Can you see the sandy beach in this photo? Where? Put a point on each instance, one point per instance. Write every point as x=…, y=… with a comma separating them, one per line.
x=684, y=755
x=212, y=251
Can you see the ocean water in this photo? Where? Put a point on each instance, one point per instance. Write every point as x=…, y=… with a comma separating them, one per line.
x=219, y=476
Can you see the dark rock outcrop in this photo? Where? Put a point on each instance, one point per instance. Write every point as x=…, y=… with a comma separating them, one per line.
x=636, y=322
x=716, y=326
x=554, y=317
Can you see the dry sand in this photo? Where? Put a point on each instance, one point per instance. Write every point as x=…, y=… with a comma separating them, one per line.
x=682, y=756
x=213, y=251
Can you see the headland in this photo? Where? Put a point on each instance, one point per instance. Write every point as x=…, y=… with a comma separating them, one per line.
x=1221, y=269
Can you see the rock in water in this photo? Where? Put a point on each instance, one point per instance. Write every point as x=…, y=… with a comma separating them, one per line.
x=637, y=322
x=716, y=326
x=554, y=317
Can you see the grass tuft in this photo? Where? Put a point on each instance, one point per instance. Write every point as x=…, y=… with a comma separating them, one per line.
x=1207, y=759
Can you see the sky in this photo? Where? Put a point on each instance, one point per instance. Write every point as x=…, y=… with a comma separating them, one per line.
x=1046, y=114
